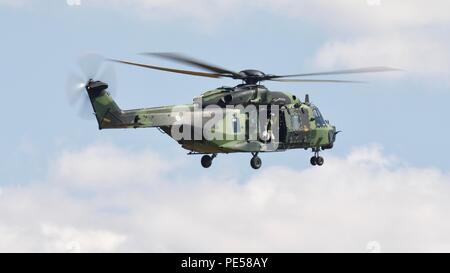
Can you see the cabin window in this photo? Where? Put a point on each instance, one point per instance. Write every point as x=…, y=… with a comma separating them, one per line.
x=236, y=125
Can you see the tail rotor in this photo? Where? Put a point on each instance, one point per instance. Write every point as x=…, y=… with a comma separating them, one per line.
x=92, y=67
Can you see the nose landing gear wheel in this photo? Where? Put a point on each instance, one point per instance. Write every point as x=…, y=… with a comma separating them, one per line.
x=319, y=161
x=255, y=162
x=316, y=160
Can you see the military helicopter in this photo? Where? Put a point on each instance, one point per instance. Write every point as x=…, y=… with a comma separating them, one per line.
x=298, y=123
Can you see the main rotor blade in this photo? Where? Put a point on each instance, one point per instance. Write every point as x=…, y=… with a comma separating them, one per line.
x=187, y=72
x=308, y=80
x=188, y=60
x=339, y=72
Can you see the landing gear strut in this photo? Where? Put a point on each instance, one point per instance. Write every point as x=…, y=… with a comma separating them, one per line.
x=207, y=160
x=316, y=159
x=255, y=162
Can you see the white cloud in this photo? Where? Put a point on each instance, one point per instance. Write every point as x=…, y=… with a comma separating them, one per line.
x=402, y=34
x=69, y=239
x=419, y=56
x=363, y=14
x=357, y=14
x=354, y=13
x=51, y=238
x=13, y=3
x=364, y=197
x=107, y=167
x=392, y=13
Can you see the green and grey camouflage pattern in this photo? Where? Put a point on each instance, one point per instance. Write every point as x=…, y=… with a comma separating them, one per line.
x=245, y=118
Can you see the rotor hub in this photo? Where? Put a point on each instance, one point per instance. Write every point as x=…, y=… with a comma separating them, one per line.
x=252, y=76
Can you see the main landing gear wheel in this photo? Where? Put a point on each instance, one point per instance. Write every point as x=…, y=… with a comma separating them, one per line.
x=255, y=162
x=207, y=160
x=316, y=160
x=319, y=161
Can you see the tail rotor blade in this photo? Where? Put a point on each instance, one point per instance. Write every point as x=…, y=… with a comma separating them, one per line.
x=75, y=85
x=90, y=65
x=85, y=109
x=93, y=67
x=108, y=75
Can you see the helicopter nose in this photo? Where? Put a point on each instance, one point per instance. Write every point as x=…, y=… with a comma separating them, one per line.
x=335, y=133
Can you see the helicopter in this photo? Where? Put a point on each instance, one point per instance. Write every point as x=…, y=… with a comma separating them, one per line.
x=277, y=121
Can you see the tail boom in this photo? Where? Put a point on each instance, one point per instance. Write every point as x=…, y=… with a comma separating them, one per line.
x=110, y=116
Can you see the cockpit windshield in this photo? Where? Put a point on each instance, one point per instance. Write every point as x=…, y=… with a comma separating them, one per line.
x=320, y=122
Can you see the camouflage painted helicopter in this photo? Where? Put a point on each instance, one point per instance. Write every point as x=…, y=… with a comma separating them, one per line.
x=293, y=124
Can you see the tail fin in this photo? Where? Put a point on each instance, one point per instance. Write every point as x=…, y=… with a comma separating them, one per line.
x=107, y=112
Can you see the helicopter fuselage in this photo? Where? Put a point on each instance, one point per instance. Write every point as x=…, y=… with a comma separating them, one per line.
x=293, y=124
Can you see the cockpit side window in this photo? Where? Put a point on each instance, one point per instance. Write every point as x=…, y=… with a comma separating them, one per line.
x=296, y=121
x=320, y=122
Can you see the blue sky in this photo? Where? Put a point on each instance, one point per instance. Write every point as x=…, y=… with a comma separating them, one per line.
x=402, y=115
